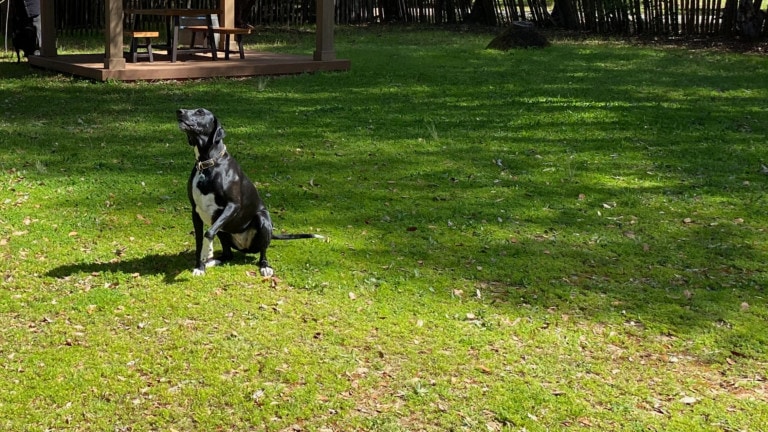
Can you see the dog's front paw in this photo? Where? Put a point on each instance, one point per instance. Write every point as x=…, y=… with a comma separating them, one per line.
x=267, y=271
x=212, y=263
x=198, y=272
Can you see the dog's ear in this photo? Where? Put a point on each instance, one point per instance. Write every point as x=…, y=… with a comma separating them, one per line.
x=219, y=134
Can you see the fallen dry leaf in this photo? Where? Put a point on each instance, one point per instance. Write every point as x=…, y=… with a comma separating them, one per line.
x=688, y=400
x=484, y=369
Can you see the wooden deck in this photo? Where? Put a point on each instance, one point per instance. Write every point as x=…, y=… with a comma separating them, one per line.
x=193, y=66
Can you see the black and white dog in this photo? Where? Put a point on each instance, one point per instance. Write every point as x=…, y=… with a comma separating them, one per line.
x=223, y=198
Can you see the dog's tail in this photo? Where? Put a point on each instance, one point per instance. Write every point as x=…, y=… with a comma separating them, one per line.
x=295, y=236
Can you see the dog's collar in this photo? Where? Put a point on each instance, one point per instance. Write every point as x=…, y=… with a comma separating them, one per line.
x=201, y=165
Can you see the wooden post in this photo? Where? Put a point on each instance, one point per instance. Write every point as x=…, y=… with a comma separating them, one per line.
x=324, y=36
x=227, y=13
x=227, y=18
x=113, y=33
x=47, y=29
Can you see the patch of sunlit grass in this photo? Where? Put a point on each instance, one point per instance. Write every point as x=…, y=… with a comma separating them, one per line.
x=569, y=237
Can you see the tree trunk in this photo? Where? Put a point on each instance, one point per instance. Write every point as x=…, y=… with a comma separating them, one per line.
x=243, y=11
x=483, y=12
x=564, y=14
x=729, y=17
x=392, y=11
x=749, y=19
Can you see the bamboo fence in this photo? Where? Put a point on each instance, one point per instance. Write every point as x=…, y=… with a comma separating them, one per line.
x=627, y=17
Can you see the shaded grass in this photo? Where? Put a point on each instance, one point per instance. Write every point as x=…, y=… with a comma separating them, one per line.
x=544, y=239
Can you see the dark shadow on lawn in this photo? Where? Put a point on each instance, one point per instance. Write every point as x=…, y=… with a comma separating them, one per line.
x=168, y=266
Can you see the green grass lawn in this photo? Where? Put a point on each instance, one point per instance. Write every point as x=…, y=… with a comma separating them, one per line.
x=569, y=238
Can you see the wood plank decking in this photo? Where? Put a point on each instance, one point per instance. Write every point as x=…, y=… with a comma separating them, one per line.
x=195, y=66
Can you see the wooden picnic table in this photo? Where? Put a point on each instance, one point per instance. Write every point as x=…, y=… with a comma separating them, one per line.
x=173, y=23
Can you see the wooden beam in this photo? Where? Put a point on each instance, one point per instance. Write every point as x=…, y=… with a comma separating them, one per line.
x=113, y=33
x=324, y=37
x=47, y=29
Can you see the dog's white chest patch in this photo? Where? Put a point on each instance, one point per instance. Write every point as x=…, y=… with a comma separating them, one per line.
x=205, y=205
x=243, y=240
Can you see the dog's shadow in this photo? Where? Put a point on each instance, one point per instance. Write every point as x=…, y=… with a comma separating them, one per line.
x=168, y=266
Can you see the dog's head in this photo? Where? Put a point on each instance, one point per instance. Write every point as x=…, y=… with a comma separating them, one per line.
x=203, y=130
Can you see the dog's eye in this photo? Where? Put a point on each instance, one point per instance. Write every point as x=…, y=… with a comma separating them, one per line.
x=200, y=111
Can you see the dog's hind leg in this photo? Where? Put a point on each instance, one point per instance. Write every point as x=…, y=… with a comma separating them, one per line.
x=226, y=246
x=264, y=267
x=261, y=241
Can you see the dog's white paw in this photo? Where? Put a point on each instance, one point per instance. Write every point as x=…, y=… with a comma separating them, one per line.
x=198, y=272
x=212, y=263
x=266, y=271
